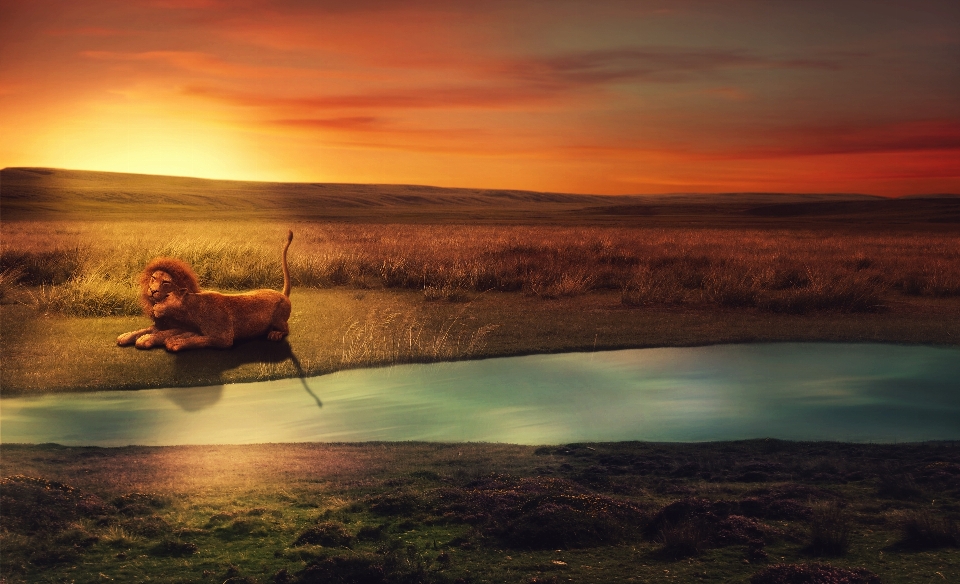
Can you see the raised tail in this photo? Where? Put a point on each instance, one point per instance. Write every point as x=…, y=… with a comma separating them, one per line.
x=286, y=270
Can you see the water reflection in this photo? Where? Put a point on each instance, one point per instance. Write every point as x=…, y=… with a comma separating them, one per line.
x=192, y=399
x=194, y=363
x=789, y=391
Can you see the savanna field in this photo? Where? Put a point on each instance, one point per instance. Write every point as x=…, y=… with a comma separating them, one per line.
x=89, y=269
x=369, y=292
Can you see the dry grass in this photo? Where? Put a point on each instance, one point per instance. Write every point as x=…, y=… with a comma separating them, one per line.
x=391, y=336
x=92, y=265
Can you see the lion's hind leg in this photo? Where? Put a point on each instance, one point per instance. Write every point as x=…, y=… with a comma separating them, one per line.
x=277, y=335
x=279, y=328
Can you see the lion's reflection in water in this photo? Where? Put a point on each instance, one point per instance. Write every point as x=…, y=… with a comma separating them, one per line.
x=194, y=399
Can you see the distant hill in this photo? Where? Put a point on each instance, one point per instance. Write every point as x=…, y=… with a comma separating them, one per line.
x=46, y=193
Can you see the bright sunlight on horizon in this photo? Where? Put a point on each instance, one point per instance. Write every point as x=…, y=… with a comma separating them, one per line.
x=608, y=97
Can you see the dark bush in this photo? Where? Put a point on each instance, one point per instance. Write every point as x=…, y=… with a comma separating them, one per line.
x=565, y=521
x=33, y=505
x=813, y=574
x=139, y=503
x=367, y=568
x=540, y=513
x=395, y=503
x=898, y=486
x=925, y=531
x=774, y=506
x=43, y=267
x=688, y=526
x=174, y=549
x=683, y=538
x=327, y=533
x=830, y=531
x=150, y=526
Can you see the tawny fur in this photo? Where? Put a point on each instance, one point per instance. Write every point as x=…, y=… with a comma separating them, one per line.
x=218, y=320
x=182, y=278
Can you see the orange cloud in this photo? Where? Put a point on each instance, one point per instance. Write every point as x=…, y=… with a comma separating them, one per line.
x=590, y=96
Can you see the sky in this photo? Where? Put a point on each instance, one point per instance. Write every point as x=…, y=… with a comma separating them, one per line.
x=595, y=96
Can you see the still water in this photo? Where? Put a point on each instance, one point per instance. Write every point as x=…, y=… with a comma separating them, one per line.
x=797, y=391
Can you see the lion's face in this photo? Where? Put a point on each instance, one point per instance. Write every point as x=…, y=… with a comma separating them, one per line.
x=161, y=284
x=169, y=306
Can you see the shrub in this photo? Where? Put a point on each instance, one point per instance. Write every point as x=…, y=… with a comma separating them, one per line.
x=682, y=539
x=899, y=486
x=36, y=505
x=830, y=531
x=326, y=533
x=174, y=549
x=368, y=568
x=925, y=531
x=813, y=574
x=9, y=278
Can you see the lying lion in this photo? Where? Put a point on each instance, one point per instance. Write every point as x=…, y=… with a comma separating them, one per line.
x=218, y=320
x=160, y=277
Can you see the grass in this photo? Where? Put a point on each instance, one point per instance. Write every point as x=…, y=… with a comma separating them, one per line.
x=88, y=269
x=380, y=294
x=416, y=512
x=342, y=328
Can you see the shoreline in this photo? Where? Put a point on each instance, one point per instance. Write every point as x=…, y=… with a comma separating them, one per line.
x=342, y=329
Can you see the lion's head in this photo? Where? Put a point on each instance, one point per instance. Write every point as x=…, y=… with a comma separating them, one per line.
x=162, y=276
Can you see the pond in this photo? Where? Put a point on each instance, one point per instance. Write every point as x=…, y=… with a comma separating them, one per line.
x=796, y=391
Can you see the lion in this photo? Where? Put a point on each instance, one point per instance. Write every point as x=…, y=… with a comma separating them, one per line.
x=218, y=320
x=158, y=279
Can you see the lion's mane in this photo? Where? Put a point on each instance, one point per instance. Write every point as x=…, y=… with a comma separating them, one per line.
x=181, y=272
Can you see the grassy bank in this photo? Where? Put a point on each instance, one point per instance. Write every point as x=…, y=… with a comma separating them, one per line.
x=342, y=328
x=369, y=294
x=730, y=512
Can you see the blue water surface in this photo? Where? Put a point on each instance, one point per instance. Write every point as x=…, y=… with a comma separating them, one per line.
x=796, y=391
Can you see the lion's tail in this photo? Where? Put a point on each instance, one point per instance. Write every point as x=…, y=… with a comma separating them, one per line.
x=286, y=270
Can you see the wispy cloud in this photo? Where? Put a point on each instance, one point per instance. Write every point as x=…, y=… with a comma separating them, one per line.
x=648, y=64
x=193, y=62
x=87, y=31
x=418, y=98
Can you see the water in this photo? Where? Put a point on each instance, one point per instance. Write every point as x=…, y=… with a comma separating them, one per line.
x=798, y=391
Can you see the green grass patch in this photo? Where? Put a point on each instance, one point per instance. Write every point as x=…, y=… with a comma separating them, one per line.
x=419, y=512
x=342, y=328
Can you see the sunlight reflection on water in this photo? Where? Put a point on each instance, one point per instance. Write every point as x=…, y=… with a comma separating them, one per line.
x=799, y=391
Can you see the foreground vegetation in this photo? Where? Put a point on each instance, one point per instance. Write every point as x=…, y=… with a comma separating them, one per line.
x=757, y=511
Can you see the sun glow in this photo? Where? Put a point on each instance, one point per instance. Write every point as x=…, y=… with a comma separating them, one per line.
x=149, y=139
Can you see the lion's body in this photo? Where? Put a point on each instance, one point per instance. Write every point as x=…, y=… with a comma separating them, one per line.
x=222, y=319
x=210, y=319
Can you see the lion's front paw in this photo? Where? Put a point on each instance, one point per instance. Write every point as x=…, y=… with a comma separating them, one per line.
x=146, y=342
x=275, y=335
x=174, y=344
x=126, y=339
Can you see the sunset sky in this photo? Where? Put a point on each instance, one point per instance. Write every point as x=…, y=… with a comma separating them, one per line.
x=590, y=96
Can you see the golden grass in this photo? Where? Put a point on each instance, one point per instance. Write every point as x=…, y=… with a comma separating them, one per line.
x=92, y=265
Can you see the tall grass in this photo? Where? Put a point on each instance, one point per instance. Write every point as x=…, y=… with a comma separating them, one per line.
x=830, y=530
x=394, y=337
x=777, y=271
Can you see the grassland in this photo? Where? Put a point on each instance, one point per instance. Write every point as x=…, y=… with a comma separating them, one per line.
x=386, y=274
x=372, y=294
x=409, y=512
